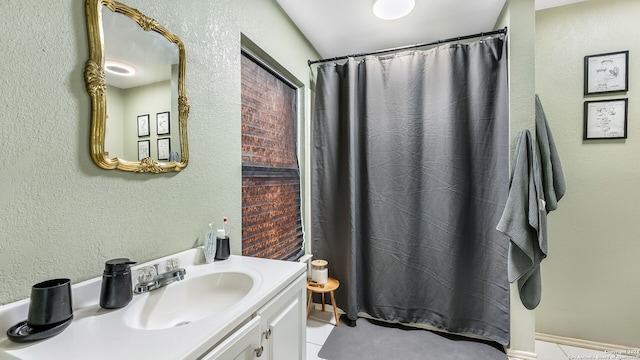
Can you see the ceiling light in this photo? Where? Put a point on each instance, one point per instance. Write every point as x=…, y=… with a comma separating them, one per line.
x=119, y=68
x=392, y=9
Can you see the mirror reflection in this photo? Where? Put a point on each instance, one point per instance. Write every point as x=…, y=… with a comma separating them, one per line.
x=141, y=68
x=140, y=122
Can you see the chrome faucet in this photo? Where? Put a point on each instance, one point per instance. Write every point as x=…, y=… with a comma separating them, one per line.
x=148, y=282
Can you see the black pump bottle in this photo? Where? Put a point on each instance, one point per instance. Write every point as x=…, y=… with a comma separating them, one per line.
x=117, y=289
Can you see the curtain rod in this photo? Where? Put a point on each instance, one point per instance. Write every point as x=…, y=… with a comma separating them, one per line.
x=454, y=39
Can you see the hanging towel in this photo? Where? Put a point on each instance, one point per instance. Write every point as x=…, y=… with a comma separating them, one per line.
x=524, y=221
x=552, y=175
x=537, y=184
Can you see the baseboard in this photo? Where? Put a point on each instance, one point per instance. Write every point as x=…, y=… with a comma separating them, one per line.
x=521, y=355
x=587, y=344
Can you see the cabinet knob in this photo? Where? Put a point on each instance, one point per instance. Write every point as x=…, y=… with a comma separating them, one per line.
x=267, y=334
x=259, y=351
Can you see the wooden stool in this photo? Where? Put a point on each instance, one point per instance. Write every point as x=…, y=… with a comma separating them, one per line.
x=329, y=287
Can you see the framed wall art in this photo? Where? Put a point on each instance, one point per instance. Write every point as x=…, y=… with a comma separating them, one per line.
x=606, y=73
x=144, y=149
x=162, y=120
x=143, y=125
x=164, y=148
x=605, y=119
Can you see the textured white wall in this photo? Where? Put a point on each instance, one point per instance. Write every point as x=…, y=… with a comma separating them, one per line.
x=62, y=216
x=591, y=280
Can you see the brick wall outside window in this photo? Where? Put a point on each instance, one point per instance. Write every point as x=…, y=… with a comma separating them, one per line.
x=271, y=218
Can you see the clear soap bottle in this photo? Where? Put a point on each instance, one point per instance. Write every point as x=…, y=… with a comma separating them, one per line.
x=210, y=244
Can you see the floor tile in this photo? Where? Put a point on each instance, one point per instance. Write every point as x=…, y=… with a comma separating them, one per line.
x=318, y=331
x=587, y=354
x=312, y=351
x=624, y=354
x=326, y=316
x=549, y=351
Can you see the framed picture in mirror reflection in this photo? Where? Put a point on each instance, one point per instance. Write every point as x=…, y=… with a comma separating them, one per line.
x=143, y=149
x=164, y=148
x=162, y=120
x=143, y=125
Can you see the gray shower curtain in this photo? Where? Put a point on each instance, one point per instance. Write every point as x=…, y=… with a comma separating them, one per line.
x=410, y=178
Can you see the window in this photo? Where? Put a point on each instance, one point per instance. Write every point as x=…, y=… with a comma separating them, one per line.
x=271, y=215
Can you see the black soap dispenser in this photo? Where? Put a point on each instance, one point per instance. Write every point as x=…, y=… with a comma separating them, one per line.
x=222, y=242
x=117, y=289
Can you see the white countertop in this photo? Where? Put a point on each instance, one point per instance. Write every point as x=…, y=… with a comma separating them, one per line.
x=96, y=333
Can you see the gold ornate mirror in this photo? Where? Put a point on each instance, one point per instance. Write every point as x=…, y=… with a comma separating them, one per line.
x=135, y=77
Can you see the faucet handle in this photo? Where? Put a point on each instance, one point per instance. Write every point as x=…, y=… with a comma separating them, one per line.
x=145, y=274
x=172, y=264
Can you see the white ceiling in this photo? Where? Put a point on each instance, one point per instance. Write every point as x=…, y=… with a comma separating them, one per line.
x=334, y=28
x=346, y=27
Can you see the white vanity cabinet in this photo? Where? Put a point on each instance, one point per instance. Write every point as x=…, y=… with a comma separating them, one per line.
x=243, y=344
x=283, y=323
x=277, y=331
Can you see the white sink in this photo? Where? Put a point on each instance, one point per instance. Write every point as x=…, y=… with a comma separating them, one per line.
x=215, y=298
x=188, y=300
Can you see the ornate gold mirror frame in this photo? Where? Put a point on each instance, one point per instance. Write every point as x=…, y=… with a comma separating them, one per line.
x=96, y=87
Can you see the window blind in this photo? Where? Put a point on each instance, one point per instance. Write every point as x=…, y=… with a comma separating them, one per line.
x=271, y=215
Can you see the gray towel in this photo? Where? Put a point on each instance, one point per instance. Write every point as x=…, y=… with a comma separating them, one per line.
x=552, y=175
x=537, y=184
x=524, y=221
x=174, y=156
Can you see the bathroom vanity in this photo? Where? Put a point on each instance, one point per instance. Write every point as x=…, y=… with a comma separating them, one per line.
x=240, y=308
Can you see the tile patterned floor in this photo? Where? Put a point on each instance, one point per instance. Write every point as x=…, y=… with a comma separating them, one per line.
x=320, y=324
x=550, y=351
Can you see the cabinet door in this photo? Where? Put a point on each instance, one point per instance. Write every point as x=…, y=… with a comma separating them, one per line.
x=244, y=344
x=284, y=324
